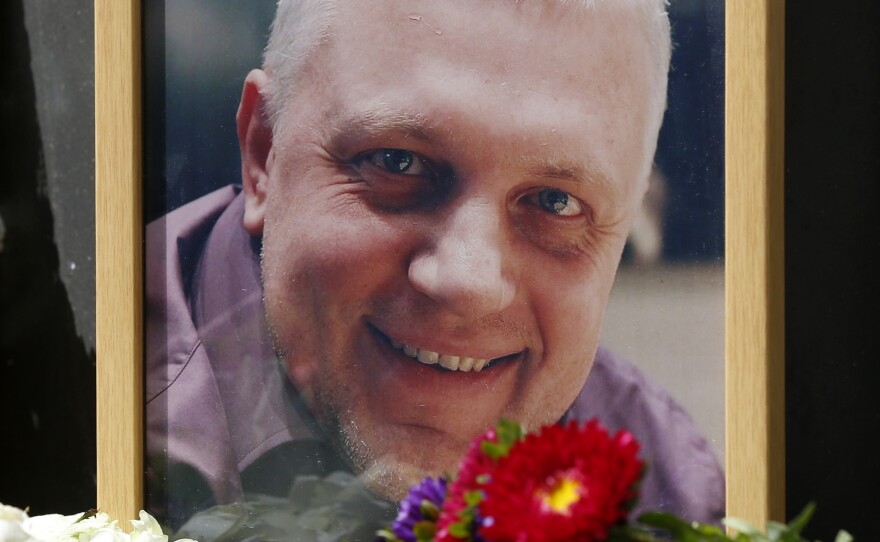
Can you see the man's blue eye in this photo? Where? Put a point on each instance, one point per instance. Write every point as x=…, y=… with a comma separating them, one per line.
x=393, y=160
x=398, y=162
x=559, y=202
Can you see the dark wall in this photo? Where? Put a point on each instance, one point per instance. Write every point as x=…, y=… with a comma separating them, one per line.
x=47, y=278
x=832, y=246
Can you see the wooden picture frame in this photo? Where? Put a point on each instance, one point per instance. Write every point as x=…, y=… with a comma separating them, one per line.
x=754, y=258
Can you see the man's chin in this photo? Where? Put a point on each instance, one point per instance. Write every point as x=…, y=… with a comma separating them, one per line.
x=390, y=460
x=392, y=479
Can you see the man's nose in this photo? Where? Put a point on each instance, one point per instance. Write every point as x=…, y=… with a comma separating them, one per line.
x=465, y=266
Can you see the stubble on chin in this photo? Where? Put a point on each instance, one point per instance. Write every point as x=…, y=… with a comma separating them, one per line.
x=383, y=473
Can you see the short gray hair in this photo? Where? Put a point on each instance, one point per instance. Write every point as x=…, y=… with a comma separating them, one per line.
x=300, y=27
x=298, y=30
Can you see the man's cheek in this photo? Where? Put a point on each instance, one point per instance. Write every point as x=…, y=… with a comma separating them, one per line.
x=552, y=390
x=303, y=372
x=305, y=267
x=571, y=324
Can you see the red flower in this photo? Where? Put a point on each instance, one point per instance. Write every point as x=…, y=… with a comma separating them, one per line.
x=565, y=483
x=474, y=471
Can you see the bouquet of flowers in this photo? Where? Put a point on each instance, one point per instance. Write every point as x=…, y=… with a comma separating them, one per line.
x=564, y=483
x=572, y=483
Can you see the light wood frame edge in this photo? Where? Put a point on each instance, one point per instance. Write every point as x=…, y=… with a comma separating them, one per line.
x=118, y=258
x=754, y=269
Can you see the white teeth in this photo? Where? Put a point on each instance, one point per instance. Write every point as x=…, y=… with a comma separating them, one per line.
x=447, y=361
x=466, y=364
x=426, y=356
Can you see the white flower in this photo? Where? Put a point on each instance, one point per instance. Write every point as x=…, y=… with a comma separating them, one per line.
x=72, y=528
x=48, y=526
x=16, y=526
x=12, y=514
x=11, y=519
x=147, y=529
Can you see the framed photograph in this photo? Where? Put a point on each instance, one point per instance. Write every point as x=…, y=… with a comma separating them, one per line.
x=460, y=246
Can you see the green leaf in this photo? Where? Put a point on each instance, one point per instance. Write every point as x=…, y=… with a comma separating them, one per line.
x=493, y=450
x=473, y=498
x=742, y=526
x=710, y=532
x=387, y=535
x=797, y=524
x=92, y=512
x=429, y=510
x=629, y=533
x=681, y=530
x=509, y=433
x=458, y=530
x=424, y=530
x=663, y=520
x=780, y=532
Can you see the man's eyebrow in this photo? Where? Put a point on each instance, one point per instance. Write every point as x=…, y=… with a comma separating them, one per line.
x=572, y=171
x=379, y=121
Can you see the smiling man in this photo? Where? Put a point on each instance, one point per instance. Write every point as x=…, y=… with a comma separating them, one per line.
x=435, y=198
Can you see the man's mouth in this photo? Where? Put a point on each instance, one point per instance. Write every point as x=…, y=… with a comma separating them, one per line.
x=451, y=362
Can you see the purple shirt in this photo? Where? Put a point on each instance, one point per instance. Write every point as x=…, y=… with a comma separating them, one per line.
x=223, y=420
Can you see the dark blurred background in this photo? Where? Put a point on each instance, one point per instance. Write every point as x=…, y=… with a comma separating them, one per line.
x=196, y=56
x=47, y=458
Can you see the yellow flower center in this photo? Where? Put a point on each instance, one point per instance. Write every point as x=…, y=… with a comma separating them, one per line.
x=562, y=493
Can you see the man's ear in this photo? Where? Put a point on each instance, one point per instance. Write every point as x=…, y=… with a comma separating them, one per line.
x=255, y=143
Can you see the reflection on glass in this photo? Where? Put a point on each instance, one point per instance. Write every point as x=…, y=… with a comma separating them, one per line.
x=406, y=226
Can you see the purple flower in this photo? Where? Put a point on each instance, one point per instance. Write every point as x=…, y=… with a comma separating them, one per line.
x=419, y=510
